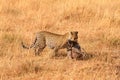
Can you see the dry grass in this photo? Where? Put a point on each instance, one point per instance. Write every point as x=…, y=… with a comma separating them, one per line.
x=98, y=23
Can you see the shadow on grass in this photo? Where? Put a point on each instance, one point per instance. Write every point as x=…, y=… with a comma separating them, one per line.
x=86, y=56
x=61, y=55
x=83, y=56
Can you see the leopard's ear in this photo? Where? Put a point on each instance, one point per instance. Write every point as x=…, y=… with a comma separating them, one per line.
x=71, y=33
x=76, y=32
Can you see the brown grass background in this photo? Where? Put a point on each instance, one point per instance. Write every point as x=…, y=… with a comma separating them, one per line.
x=98, y=24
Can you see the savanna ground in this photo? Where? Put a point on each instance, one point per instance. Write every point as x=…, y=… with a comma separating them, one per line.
x=98, y=24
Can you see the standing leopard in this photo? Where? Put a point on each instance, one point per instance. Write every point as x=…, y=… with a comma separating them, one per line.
x=52, y=40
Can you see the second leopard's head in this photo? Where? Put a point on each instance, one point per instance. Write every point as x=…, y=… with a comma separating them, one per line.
x=73, y=36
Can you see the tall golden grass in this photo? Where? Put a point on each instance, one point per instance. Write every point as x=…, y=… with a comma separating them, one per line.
x=98, y=24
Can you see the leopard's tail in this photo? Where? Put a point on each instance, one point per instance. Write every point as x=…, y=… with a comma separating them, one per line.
x=28, y=47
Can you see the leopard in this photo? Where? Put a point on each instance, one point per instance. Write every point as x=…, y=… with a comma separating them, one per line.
x=52, y=40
